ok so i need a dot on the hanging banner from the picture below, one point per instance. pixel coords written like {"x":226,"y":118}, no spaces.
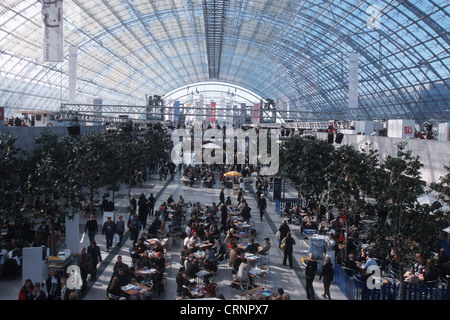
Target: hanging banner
{"x":176,"y":111}
{"x":52,"y":17}
{"x":353,"y":81}
{"x":256,"y":113}
{"x":213,"y":112}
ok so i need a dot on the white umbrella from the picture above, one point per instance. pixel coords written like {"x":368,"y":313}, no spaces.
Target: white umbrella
{"x":446,"y":230}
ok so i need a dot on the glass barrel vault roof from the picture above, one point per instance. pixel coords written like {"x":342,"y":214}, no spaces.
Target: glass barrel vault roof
{"x":293,"y":51}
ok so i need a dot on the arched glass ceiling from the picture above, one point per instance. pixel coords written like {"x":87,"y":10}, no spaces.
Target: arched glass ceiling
{"x":293,"y":51}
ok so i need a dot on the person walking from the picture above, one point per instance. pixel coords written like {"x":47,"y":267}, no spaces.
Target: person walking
{"x":327,"y":274}
{"x":94,"y":251}
{"x":108,"y":230}
{"x":143,"y":210}
{"x":283,"y":231}
{"x":120,"y":228}
{"x":91,"y":228}
{"x":262,"y":205}
{"x":135,"y":227}
{"x":288,"y":244}
{"x":84,"y":262}
{"x":221,"y":197}
{"x":310,"y":273}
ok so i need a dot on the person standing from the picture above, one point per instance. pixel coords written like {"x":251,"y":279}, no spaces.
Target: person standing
{"x":38,"y":293}
{"x":26,"y":292}
{"x":151,"y":204}
{"x":143,"y":210}
{"x":262,"y":205}
{"x":223,"y":217}
{"x":289,"y":243}
{"x":327,"y":274}
{"x":53,"y":284}
{"x":94,"y":251}
{"x":108,"y":230}
{"x":284,"y":229}
{"x":133,"y":205}
{"x":120,"y":228}
{"x":310,"y":273}
{"x":221,"y":197}
{"x":331,"y":247}
{"x":91,"y":228}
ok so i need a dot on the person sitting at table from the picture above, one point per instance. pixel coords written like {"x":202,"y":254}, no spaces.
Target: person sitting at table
{"x":137,"y":250}
{"x":412,"y":278}
{"x":219,"y":250}
{"x":242,"y":273}
{"x":157,"y":247}
{"x":153,"y":229}
{"x":167,"y":242}
{"x":114,"y":288}
{"x":210,"y":288}
{"x":157,"y":278}
{"x":246,"y":212}
{"x":350,"y":265}
{"x":233,"y":254}
{"x":159,"y":262}
{"x":209,"y":265}
{"x":180,"y":279}
{"x":184,"y":255}
{"x":144,"y":295}
{"x":431,"y":274}
{"x":209,"y":254}
{"x":170,"y":202}
{"x":192,"y":267}
{"x":122,"y":276}
{"x":144,"y":261}
{"x":252,"y":246}
{"x":231,"y":234}
{"x":281,"y":295}
{"x":362,"y":256}
{"x":264,"y":248}
{"x":212,"y":233}
{"x":237,"y":262}
{"x":192,"y":242}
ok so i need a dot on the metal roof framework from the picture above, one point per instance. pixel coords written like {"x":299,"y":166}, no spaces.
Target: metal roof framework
{"x":295,"y":52}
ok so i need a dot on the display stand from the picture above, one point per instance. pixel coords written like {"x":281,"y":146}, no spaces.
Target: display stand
{"x":73,"y":233}
{"x":34,"y":264}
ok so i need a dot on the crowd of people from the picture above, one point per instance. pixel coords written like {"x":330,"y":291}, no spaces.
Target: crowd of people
{"x":209,"y":236}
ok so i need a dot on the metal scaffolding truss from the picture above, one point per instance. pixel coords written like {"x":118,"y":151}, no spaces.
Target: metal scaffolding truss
{"x":293,"y":51}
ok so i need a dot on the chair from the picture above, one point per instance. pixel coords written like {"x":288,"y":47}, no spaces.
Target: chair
{"x":240,"y":285}
{"x":264,"y":258}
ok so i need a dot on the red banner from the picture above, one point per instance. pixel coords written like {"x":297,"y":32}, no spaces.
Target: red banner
{"x":256,"y":113}
{"x":213,"y":112}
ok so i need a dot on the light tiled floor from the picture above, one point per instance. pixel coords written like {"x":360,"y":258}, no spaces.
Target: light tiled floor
{"x":292,"y":280}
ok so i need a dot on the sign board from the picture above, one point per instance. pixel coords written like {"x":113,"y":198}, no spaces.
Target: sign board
{"x":107,"y":214}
